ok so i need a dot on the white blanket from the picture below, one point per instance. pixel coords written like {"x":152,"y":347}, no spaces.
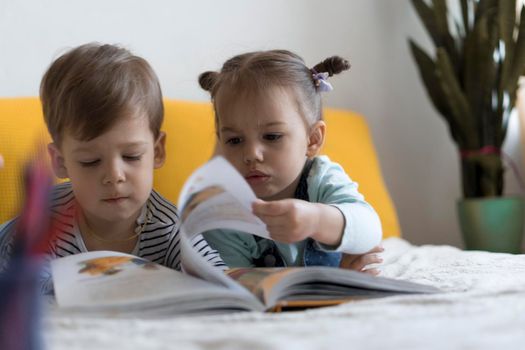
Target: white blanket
{"x":483,"y":308}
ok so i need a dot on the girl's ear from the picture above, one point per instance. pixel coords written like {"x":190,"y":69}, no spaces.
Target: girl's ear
{"x":160,"y":151}
{"x":316,"y":138}
{"x":57,"y":161}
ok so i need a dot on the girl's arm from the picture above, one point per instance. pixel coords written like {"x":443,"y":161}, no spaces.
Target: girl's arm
{"x":235,"y":248}
{"x":337,"y":216}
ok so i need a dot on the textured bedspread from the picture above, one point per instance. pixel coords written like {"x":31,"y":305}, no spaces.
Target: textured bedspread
{"x":483,"y":308}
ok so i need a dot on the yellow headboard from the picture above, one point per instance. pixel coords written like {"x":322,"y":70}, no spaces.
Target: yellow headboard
{"x":190,"y":140}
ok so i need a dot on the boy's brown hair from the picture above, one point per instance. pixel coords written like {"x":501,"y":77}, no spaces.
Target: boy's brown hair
{"x":88,"y":89}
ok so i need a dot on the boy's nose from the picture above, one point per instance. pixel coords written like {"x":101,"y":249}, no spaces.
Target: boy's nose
{"x":114,"y":174}
{"x":253,"y":153}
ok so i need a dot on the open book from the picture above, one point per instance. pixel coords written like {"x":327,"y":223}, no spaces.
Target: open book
{"x":215,"y":196}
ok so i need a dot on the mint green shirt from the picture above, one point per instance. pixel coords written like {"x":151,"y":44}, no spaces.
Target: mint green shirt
{"x":329,"y":184}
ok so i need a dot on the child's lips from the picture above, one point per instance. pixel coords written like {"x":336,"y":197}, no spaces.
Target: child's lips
{"x":115,"y":199}
{"x":256,"y":177}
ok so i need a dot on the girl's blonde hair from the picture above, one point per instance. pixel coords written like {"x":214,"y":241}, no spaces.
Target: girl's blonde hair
{"x":257,"y":71}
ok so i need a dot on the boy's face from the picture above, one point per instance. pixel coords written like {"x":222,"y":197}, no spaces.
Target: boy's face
{"x":111,"y":175}
{"x":267,"y":141}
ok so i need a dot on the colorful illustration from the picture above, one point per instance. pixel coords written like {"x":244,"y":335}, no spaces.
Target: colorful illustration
{"x":199,"y":197}
{"x":111,"y":265}
{"x":259,"y":281}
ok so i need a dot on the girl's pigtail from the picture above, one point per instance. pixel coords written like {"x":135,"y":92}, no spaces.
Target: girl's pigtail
{"x":331,"y":65}
{"x":207,"y":80}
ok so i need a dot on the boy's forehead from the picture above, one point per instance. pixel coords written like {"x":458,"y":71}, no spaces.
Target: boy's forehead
{"x":78,"y":146}
{"x":127,"y":132}
{"x":85,"y":129}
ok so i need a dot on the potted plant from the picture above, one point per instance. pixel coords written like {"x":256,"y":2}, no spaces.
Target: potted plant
{"x":472,"y":82}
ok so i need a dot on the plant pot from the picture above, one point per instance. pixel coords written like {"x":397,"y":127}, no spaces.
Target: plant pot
{"x":493,"y":224}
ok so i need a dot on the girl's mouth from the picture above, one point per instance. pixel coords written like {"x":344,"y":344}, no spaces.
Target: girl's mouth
{"x":256,"y":177}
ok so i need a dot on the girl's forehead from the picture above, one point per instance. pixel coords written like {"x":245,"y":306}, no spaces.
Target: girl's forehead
{"x":271,"y":103}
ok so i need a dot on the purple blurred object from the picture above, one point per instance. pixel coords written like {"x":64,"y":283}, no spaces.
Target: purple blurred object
{"x":20,"y":313}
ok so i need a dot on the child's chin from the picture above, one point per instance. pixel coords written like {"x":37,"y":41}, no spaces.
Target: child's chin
{"x":268,"y":195}
{"x":117,"y":214}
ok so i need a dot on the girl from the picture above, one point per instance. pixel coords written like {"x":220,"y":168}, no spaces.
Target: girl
{"x":269,"y":125}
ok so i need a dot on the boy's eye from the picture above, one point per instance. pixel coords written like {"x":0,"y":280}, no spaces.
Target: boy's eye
{"x":90,"y":163}
{"x":132,"y":158}
{"x":233,"y":140}
{"x":272,"y":137}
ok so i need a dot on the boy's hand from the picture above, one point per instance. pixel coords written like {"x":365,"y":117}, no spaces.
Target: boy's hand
{"x":360,"y":262}
{"x":288,"y":220}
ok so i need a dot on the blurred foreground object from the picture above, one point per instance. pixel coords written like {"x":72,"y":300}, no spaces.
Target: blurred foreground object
{"x":19,"y":283}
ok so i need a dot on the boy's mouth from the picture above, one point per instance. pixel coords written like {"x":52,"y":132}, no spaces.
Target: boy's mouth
{"x":115,"y":200}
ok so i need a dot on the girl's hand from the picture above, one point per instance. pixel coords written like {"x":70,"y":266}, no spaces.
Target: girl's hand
{"x":360,"y":262}
{"x":1,"y":162}
{"x":288,"y":220}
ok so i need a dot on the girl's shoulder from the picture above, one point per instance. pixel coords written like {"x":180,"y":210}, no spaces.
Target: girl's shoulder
{"x":323,"y":167}
{"x":328,"y":179}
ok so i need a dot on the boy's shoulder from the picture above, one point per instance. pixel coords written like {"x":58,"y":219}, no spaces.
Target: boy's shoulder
{"x":163,"y":208}
{"x":62,"y":194}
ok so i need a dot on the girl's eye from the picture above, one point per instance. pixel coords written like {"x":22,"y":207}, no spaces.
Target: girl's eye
{"x":233,"y":140}
{"x":272,"y":137}
{"x":132,"y":158}
{"x":89,"y":163}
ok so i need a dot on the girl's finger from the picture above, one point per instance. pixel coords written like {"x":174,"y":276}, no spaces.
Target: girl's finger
{"x":373,"y":272}
{"x":274,"y":221}
{"x":368,"y":259}
{"x":273,"y":208}
{"x":376,"y":249}
{"x":347,"y":260}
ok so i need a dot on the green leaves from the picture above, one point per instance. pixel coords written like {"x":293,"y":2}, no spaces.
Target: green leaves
{"x":457,"y":101}
{"x":467,"y":14}
{"x":436,"y":22}
{"x":518,"y":61}
{"x":429,"y":74}
{"x":473,"y":79}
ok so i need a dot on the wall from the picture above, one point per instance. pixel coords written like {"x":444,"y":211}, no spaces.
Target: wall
{"x":184,"y":38}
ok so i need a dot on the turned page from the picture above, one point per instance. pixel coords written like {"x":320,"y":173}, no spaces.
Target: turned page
{"x":217,"y":196}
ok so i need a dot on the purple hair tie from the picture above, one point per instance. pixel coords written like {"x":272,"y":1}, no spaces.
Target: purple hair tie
{"x":320,"y":80}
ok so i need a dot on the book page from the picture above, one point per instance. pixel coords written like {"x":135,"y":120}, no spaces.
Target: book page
{"x":319,"y":285}
{"x":194,"y":264}
{"x":104,"y":278}
{"x":216,"y":196}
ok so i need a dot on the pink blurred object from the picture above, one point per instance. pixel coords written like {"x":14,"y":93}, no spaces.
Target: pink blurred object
{"x":19,"y":284}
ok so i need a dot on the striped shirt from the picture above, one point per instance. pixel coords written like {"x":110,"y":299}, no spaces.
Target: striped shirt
{"x":159,"y":240}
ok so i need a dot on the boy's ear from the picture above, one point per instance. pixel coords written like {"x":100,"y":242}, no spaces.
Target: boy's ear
{"x":160,"y":151}
{"x":57,"y":161}
{"x":316,"y":139}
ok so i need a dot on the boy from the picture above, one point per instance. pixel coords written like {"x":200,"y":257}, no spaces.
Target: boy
{"x":103,"y":108}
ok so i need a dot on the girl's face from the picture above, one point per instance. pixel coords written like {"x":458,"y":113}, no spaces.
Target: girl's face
{"x":266,"y":139}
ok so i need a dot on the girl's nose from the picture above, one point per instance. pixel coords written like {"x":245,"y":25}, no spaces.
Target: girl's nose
{"x":114,"y":173}
{"x":253,"y":152}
